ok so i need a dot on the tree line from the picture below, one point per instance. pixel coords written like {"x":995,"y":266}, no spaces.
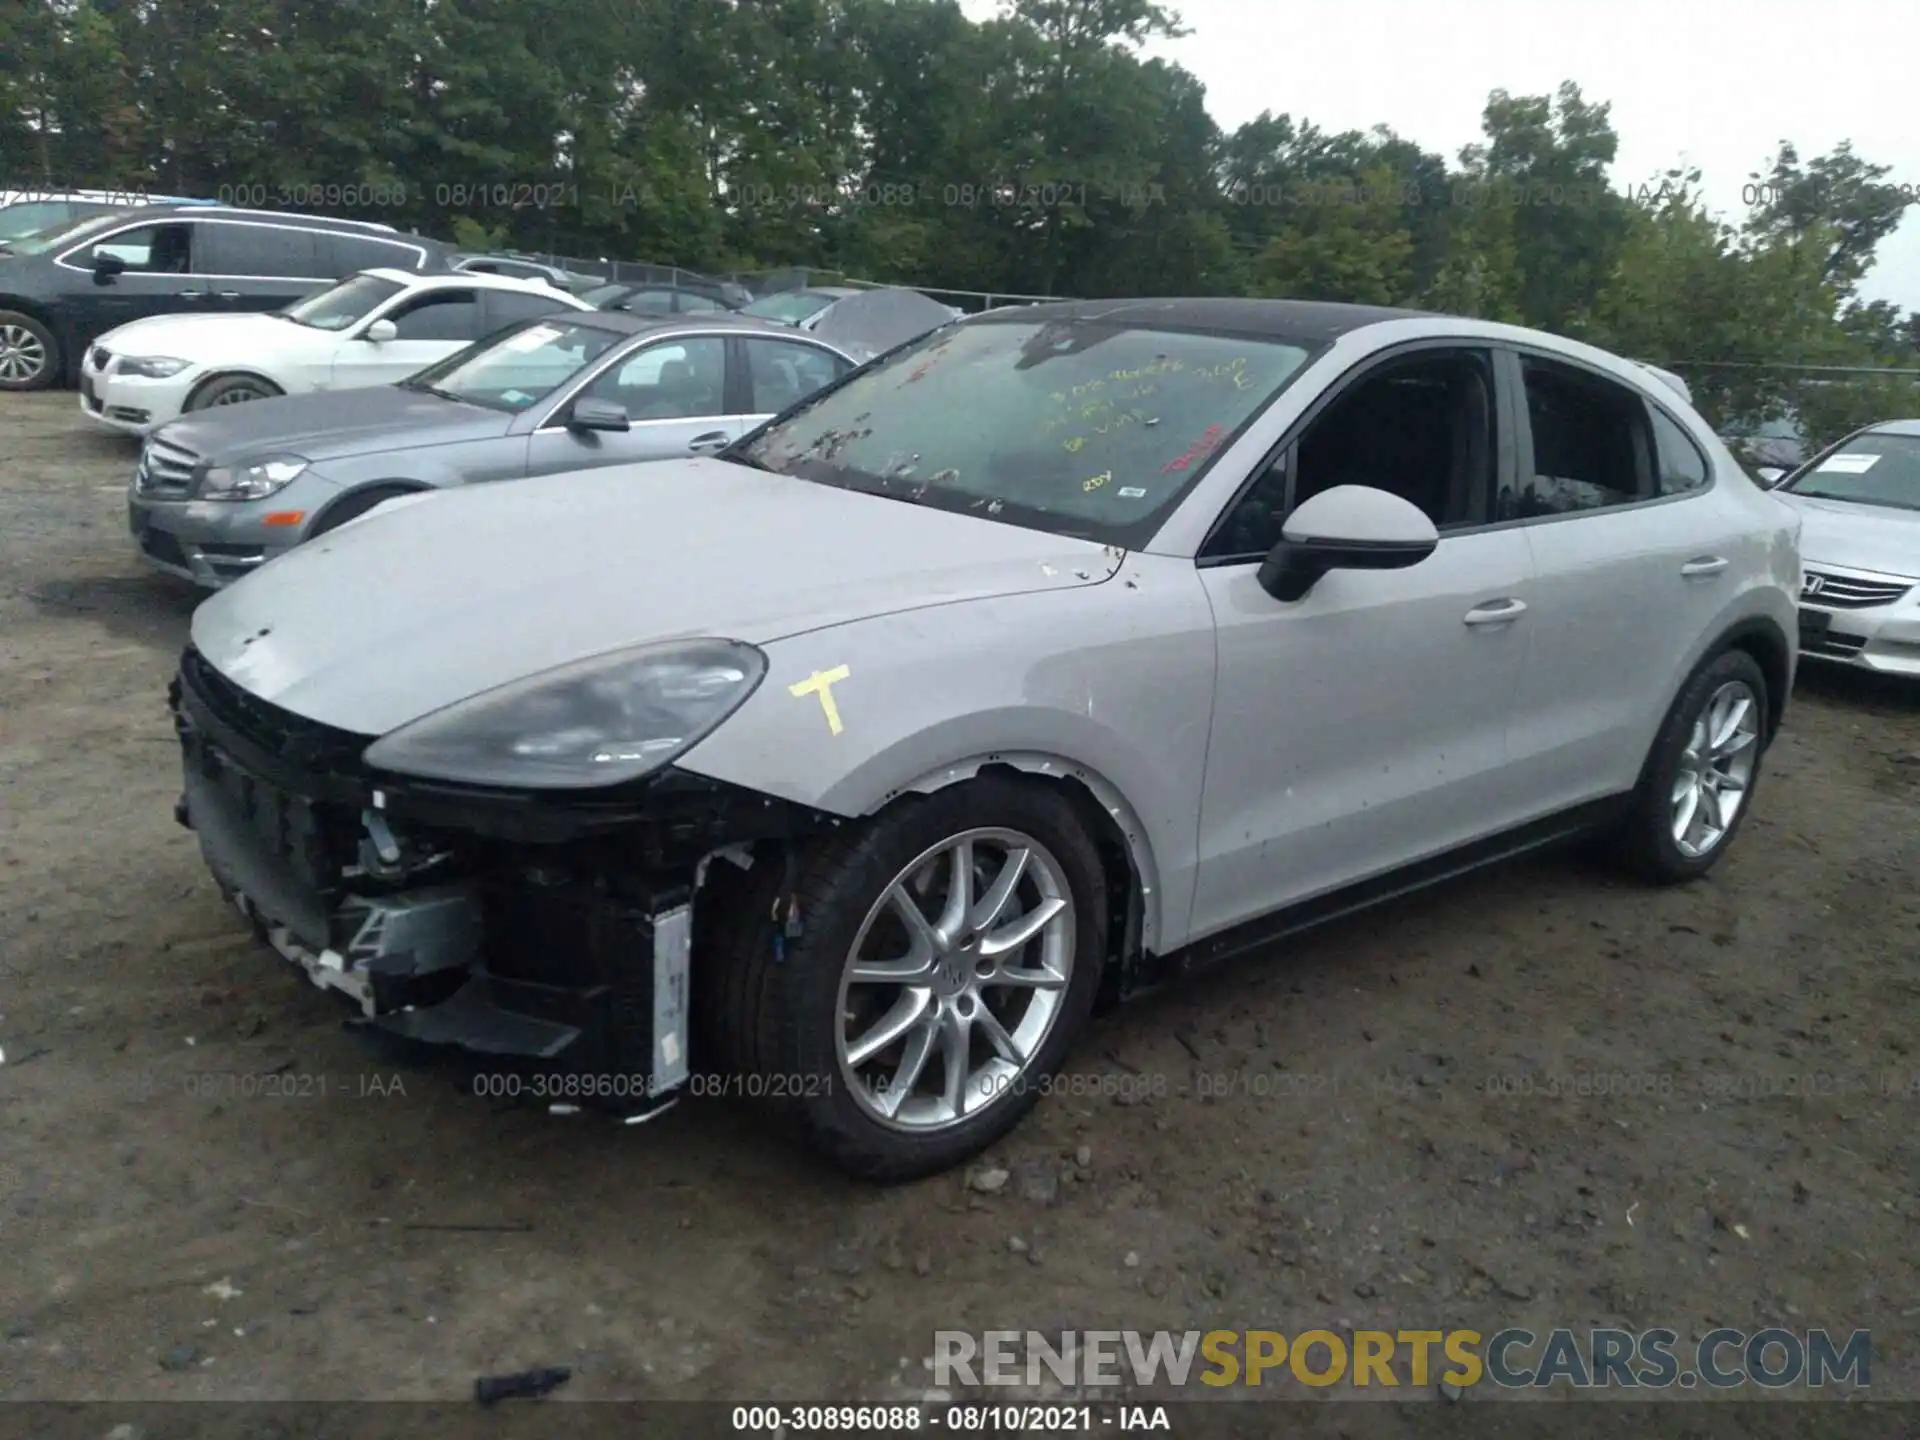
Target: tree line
{"x":1040,"y":152}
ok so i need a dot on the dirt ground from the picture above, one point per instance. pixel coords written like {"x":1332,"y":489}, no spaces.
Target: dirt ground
{"x":1400,"y":1145}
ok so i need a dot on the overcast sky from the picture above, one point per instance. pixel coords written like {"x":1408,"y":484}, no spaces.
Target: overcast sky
{"x":1710,"y":83}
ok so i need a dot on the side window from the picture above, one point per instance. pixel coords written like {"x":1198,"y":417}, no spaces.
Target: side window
{"x":151,"y":249}
{"x":257,"y":251}
{"x":439,"y":315}
{"x":783,"y":373}
{"x":508,"y":307}
{"x":648,"y":302}
{"x":1421,"y":428}
{"x":1682,"y":467}
{"x":1592,"y":444}
{"x":672,"y":380}
{"x":349,"y":253}
{"x":693,"y":300}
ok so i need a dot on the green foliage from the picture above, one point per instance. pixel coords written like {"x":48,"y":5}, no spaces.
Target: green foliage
{"x":1036,"y":152}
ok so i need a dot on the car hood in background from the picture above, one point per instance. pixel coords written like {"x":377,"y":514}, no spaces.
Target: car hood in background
{"x":874,"y":321}
{"x":1859,"y":537}
{"x":330,"y":424}
{"x":213,"y":337}
{"x":446,"y":596}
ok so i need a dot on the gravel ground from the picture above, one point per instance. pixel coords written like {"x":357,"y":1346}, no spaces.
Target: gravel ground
{"x":1394,"y":1135}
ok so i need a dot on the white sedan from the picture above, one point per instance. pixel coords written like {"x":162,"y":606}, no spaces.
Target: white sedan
{"x":372,"y":328}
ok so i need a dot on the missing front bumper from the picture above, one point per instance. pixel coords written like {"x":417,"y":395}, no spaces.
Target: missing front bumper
{"x":514,"y":968}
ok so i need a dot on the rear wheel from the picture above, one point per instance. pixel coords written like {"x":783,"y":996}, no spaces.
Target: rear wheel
{"x":29,"y":355}
{"x":946,"y":957}
{"x":232,"y":390}
{"x":1700,"y":776}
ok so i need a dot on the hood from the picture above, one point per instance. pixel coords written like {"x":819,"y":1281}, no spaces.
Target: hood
{"x":872,"y":321}
{"x":457,"y":592}
{"x":204,"y":337}
{"x":331,"y":424}
{"x":1859,"y":537}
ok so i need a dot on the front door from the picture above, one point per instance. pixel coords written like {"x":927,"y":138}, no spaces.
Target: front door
{"x":159,"y":278}
{"x":674,"y":392}
{"x":431,"y":327}
{"x":1363,"y":727}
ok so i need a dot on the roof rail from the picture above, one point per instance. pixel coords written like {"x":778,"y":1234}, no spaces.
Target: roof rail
{"x":296,"y":215}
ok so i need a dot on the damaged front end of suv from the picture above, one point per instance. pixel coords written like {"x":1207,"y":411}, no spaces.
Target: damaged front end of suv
{"x":537,"y":925}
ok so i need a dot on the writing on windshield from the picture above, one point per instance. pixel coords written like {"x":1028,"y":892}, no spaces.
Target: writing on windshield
{"x":1077,"y":426}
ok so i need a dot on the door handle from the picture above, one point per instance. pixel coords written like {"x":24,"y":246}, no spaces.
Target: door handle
{"x":1496,"y":612}
{"x":1704,"y":565}
{"x":190,"y":294}
{"x":710,"y":442}
{"x":226,"y":294}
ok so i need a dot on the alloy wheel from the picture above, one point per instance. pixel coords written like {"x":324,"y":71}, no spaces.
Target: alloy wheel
{"x":238,"y":395}
{"x":22,"y":353}
{"x":955,"y":979}
{"x":1716,"y":769}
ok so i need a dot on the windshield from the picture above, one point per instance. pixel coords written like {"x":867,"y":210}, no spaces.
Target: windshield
{"x":1079,"y":427}
{"x":516,"y":369}
{"x":792,"y":307}
{"x":42,"y":241}
{"x":344,"y":305}
{"x":1874,"y":469}
{"x":32,"y":217}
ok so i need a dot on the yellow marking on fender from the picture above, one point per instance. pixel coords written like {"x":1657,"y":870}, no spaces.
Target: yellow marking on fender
{"x":821,"y":683}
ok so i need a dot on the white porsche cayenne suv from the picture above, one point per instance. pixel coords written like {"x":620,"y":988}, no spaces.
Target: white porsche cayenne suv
{"x":376,"y":327}
{"x":1034,"y":663}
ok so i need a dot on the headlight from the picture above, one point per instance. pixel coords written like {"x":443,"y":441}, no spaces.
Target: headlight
{"x":255,"y":481}
{"x":595,"y":722}
{"x":151,"y":367}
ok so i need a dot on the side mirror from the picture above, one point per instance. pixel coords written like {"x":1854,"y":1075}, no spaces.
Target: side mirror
{"x":381,"y":331}
{"x":598,"y":415}
{"x":1770,"y":475}
{"x":106,"y":265}
{"x":1350,"y":527}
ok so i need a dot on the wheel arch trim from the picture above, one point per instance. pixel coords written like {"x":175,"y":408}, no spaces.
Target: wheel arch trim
{"x":1118,"y":811}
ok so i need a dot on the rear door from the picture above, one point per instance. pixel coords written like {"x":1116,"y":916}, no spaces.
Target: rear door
{"x":258,"y":264}
{"x":432,"y":325}
{"x":782,"y":373}
{"x":1635,"y":560}
{"x":675,"y":394}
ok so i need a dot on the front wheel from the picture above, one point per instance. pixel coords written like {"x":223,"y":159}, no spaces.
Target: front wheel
{"x":29,"y":355}
{"x":913,"y":993}
{"x":1700,"y":776}
{"x":232,"y":390}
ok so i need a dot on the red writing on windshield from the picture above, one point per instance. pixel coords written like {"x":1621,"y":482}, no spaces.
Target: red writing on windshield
{"x":1208,"y":442}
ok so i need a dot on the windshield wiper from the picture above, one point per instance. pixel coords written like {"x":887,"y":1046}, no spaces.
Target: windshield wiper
{"x":422,"y":388}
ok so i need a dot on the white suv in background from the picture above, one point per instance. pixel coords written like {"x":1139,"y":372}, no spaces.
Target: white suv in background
{"x":372,"y":328}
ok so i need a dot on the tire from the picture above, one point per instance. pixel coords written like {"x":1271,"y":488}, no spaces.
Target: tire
{"x":231,"y":390}
{"x":29,"y":355}
{"x":782,"y":1020}
{"x":1647,"y":842}
{"x":353,"y":507}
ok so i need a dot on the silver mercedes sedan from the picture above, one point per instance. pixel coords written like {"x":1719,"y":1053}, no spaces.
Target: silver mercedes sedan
{"x":1859,"y":502}
{"x":219,"y":492}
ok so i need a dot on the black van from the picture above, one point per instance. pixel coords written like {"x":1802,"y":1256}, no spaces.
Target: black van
{"x":59,"y":290}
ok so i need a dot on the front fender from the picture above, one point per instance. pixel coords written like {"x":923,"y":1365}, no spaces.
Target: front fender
{"x":1110,"y":684}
